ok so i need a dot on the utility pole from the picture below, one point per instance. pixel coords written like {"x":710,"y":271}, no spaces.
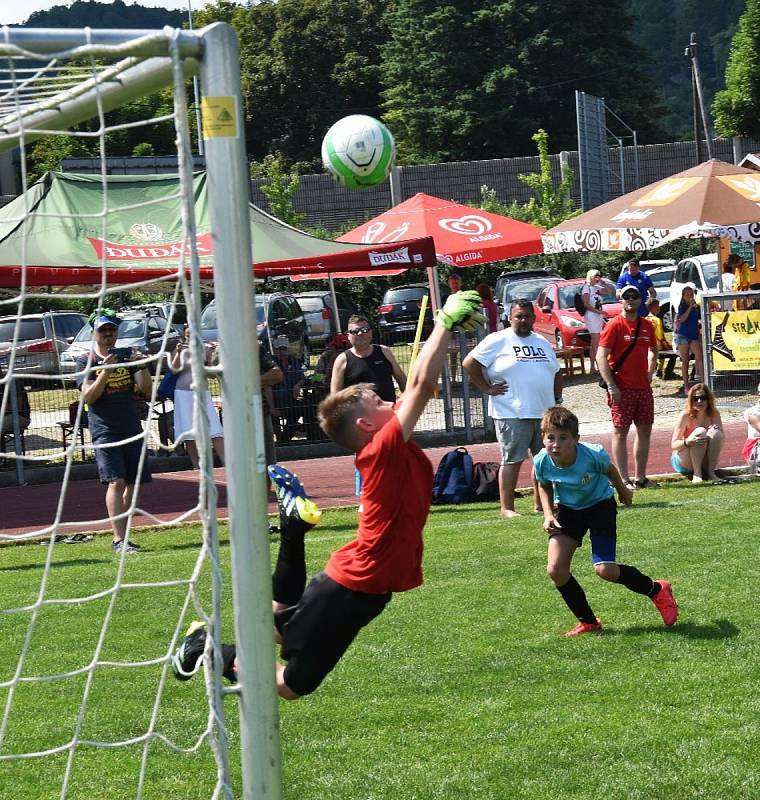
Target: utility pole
{"x":698,"y":100}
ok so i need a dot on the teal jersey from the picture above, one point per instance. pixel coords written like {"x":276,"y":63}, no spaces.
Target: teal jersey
{"x":584,"y":483}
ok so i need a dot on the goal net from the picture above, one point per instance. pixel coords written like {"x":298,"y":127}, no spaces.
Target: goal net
{"x":88,"y":704}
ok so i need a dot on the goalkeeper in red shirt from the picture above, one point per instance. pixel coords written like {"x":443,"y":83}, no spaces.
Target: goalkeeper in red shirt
{"x":315,"y":625}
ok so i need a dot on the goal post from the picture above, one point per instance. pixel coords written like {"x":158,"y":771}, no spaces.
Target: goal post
{"x":148,"y":61}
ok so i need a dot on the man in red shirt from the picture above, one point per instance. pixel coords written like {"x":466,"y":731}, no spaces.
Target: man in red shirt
{"x":316,"y":625}
{"x":627,"y":359}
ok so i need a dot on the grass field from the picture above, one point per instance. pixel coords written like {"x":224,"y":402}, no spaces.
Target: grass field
{"x":464,"y":688}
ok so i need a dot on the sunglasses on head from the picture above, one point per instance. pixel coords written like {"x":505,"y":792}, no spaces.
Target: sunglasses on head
{"x":357,"y":331}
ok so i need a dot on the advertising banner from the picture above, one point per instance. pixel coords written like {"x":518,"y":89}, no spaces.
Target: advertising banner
{"x":735,"y":341}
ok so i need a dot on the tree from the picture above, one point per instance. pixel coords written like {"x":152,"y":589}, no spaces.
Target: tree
{"x":737,"y":107}
{"x":279,"y":187}
{"x":470,"y":81}
{"x":549,"y":205}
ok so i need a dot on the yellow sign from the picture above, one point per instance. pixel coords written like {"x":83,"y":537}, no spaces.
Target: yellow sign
{"x":667,"y":191}
{"x":735,"y":340}
{"x":219,"y":117}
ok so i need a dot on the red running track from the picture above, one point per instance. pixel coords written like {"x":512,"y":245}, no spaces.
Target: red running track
{"x":29,"y":509}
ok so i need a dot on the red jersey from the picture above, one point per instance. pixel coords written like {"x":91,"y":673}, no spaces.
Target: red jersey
{"x":616,"y":337}
{"x":397,"y":487}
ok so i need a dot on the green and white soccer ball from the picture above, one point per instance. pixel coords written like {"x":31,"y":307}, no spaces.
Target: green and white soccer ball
{"x":358,"y":151}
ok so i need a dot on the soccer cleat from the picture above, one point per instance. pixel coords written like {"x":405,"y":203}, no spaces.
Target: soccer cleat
{"x":188,"y":657}
{"x":585,"y":627}
{"x":291,"y":496}
{"x":666,"y":603}
{"x":128,"y":547}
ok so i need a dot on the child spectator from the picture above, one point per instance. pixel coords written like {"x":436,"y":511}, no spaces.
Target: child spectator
{"x":575,"y":483}
{"x":697,"y":436}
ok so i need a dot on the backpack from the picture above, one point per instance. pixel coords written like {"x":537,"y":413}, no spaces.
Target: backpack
{"x":486,"y":480}
{"x":580,"y":306}
{"x":452,"y":482}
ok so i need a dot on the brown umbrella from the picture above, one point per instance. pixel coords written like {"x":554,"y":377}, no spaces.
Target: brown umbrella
{"x":711,"y":199}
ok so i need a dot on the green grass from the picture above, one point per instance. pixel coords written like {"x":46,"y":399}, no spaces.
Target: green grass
{"x":463,"y":688}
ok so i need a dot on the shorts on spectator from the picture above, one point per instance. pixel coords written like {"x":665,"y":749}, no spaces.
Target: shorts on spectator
{"x":601,"y":520}
{"x":120,"y":462}
{"x":326,"y":620}
{"x":635,"y":406}
{"x":678,"y":467}
{"x":516,"y":437}
{"x":594,"y":322}
{"x":682,"y":341}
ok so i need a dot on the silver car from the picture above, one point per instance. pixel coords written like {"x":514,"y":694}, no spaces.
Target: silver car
{"x":42,"y":338}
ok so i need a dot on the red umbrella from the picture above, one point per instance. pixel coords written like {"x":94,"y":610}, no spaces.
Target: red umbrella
{"x":463,"y":236}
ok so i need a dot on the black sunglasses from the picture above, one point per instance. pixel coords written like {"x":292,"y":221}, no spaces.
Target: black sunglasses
{"x":700,"y":398}
{"x":357,"y":331}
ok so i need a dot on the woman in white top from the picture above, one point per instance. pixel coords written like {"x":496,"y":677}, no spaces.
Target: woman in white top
{"x":179,"y":364}
{"x":591,"y":293}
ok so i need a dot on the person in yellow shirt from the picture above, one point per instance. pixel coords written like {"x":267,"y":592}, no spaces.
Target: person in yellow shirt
{"x":653,"y":311}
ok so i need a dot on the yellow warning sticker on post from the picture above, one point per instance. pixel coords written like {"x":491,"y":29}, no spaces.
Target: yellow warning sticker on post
{"x":219,"y":117}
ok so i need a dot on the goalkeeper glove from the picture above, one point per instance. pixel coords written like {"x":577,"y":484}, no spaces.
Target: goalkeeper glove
{"x":462,"y":310}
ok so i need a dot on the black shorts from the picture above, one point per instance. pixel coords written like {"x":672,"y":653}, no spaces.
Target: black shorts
{"x":600,"y":520}
{"x":121,"y":462}
{"x":324,"y":623}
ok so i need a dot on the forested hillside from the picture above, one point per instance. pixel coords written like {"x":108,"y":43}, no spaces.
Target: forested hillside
{"x":663,"y":27}
{"x":456,"y":80}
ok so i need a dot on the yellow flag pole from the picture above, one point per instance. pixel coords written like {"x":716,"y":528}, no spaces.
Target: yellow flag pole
{"x":418,"y":335}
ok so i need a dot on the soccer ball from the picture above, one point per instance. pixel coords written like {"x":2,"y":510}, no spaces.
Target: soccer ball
{"x":358,"y":151}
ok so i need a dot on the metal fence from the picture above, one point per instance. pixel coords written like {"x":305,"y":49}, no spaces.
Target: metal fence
{"x":731,"y":342}
{"x":40,"y":421}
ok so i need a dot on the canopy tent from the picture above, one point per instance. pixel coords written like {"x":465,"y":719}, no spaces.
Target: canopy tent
{"x":712,"y":199}
{"x":69,"y":228}
{"x":464,"y":236}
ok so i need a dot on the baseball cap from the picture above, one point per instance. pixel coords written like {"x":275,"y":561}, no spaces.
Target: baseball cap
{"x":102,"y":320}
{"x":628,"y":290}
{"x":280,"y":341}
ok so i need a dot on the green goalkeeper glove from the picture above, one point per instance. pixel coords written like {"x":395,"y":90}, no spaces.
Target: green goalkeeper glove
{"x":462,"y":310}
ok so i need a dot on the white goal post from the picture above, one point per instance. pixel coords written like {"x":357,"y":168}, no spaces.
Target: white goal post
{"x":148,"y":61}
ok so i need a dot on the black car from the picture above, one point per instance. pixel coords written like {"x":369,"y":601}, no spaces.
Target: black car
{"x":518,"y":275}
{"x":400,"y":309}
{"x":277,"y":314}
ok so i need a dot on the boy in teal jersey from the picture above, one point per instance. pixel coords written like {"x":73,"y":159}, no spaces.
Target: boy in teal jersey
{"x":575,"y":485}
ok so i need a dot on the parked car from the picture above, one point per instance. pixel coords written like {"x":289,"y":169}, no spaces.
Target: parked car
{"x":42,"y":338}
{"x":661,"y":272}
{"x":702,"y":271}
{"x":142,"y":330}
{"x":557,"y":319}
{"x":178,"y":314}
{"x":399,"y":311}
{"x":520,"y":290}
{"x":318,"y":312}
{"x":518,"y":275}
{"x":277,"y":314}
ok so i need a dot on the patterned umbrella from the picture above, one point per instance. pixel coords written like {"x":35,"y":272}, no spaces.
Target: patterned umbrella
{"x":709,"y":200}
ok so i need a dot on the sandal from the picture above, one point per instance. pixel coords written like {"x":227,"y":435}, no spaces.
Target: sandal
{"x":645,"y":483}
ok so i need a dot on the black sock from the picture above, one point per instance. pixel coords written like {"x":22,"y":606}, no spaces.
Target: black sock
{"x":575,"y":597}
{"x":636,"y":581}
{"x":228,"y":660}
{"x":289,"y":579}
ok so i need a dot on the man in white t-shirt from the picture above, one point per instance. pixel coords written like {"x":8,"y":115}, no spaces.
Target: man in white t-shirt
{"x":518,"y":370}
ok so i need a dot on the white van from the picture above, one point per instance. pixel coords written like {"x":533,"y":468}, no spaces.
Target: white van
{"x":702,"y":271}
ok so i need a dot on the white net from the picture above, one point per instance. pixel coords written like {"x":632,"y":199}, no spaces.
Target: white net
{"x":89,"y":704}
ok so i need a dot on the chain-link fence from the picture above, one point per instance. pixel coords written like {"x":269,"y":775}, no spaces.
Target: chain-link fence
{"x":40,"y":417}
{"x":731,"y":340}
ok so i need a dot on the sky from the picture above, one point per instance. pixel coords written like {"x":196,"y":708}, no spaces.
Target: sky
{"x":15,"y":11}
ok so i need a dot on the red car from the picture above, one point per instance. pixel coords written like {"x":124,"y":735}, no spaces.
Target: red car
{"x":557,"y":319}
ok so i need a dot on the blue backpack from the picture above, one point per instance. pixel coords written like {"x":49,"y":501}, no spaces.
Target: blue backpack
{"x":453,"y":480}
